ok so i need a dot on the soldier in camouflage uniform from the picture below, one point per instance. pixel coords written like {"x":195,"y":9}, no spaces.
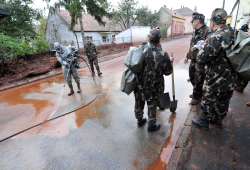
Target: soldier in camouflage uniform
{"x":197,"y":72}
{"x":220,"y":79}
{"x":91,"y":52}
{"x":65,"y":56}
{"x":150,"y":81}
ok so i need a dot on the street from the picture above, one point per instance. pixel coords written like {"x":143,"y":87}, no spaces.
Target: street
{"x":102,"y":135}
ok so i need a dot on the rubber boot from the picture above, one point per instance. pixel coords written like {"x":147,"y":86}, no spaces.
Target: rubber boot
{"x":154,"y":127}
{"x":160,"y":107}
{"x":203,"y":124}
{"x":71,"y":90}
{"x":79,"y":88}
{"x":216,"y":121}
{"x":141,"y":122}
{"x":195,"y":99}
{"x":99,"y":72}
{"x":93,"y":73}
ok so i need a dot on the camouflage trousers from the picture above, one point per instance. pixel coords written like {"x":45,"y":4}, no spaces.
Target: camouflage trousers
{"x":215,"y":104}
{"x":92,"y":63}
{"x":139,"y":107}
{"x":67,"y":75}
{"x":197,"y":76}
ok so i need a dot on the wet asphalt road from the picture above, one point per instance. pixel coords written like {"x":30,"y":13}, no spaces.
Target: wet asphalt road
{"x":103,"y":135}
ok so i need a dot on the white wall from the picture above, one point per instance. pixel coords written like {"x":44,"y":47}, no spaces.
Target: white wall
{"x":140,"y":33}
{"x":123,"y":36}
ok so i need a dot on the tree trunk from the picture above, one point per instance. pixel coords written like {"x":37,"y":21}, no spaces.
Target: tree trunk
{"x":82,"y":30}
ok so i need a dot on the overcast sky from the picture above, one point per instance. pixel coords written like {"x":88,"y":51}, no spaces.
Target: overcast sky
{"x":203,"y":6}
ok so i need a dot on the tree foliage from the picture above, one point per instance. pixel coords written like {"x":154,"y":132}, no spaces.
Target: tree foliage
{"x":96,"y":8}
{"x":20,"y":24}
{"x":129,"y":12}
{"x":149,"y":18}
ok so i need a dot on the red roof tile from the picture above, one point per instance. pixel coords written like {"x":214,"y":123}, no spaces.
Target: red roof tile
{"x":89,"y":23}
{"x":173,"y":13}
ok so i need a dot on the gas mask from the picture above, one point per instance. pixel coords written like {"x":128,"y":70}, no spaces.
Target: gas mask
{"x":58,"y":47}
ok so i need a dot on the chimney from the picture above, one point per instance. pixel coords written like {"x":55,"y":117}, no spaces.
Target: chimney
{"x":181,"y":7}
{"x":165,"y":6}
{"x":171,"y":8}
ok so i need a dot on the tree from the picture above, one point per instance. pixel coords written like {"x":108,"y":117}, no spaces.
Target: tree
{"x":77,"y":7}
{"x":128,"y":13}
{"x":20,"y":24}
{"x":149,"y":18}
{"x":42,"y":26}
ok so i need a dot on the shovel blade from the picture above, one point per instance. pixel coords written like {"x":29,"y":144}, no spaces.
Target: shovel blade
{"x":165,"y":100}
{"x":173,"y":105}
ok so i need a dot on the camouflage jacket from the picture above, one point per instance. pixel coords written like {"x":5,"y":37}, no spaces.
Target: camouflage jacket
{"x":220,"y":76}
{"x":150,"y":79}
{"x":199,"y":34}
{"x":90,"y":51}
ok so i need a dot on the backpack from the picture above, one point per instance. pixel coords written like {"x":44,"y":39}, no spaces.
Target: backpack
{"x":239,"y":54}
{"x":134,"y":63}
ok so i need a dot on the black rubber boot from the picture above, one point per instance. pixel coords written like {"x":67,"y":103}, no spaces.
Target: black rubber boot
{"x":93,"y":73}
{"x":99,"y":73}
{"x":71,"y":90}
{"x":141,"y":122}
{"x":154,"y":127}
{"x":160,"y":107}
{"x":79,"y":88}
{"x":201,"y":124}
{"x":216,"y":121}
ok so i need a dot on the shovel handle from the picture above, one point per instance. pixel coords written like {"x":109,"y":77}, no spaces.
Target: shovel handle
{"x":173,"y":89}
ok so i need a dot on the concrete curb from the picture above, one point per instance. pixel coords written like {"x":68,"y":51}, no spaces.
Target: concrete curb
{"x":183,"y":141}
{"x":50,"y":74}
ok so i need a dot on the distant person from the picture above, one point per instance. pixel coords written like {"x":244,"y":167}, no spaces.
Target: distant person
{"x":150,"y":81}
{"x":65,"y":56}
{"x":221,"y":79}
{"x":91,"y":52}
{"x":197,"y":71}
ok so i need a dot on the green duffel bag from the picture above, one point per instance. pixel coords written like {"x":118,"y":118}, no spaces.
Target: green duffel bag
{"x":128,"y":82}
{"x":239,"y":54}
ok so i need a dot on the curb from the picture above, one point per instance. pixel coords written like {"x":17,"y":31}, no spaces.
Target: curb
{"x":44,"y":76}
{"x":183,"y":141}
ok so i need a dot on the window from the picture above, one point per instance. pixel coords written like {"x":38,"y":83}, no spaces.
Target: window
{"x":104,"y":38}
{"x":175,"y":28}
{"x":113,"y":37}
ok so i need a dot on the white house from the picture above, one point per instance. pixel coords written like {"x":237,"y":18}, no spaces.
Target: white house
{"x":58,"y":24}
{"x":134,"y":34}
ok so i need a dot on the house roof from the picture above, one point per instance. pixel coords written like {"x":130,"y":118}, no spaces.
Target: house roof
{"x":184,"y":11}
{"x":89,"y":23}
{"x":4,"y":14}
{"x":173,"y":13}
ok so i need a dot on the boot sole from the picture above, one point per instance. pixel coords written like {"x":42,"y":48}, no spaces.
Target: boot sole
{"x":203,"y":128}
{"x":152,"y":130}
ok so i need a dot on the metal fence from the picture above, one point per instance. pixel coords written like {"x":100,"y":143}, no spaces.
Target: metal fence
{"x":116,"y":43}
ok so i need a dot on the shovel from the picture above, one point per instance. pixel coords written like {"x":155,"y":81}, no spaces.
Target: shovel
{"x":165,"y":100}
{"x":173,"y":104}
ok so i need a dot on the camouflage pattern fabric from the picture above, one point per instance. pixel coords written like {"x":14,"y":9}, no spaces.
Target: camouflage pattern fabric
{"x":215,"y":104}
{"x":95,"y":62}
{"x":90,"y":51}
{"x":199,"y":34}
{"x":196,"y":15}
{"x":197,"y":73}
{"x":64,"y":56}
{"x":139,"y":107}
{"x":155,"y":34}
{"x":72,"y":72}
{"x":150,"y":79}
{"x":220,"y":76}
{"x":219,"y":16}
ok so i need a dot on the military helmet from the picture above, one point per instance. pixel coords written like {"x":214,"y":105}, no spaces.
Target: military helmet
{"x":57,"y":45}
{"x":154,"y":34}
{"x":219,"y":16}
{"x":197,"y":15}
{"x":87,"y":37}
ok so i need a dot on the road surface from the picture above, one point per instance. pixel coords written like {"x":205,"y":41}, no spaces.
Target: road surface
{"x":103,"y":135}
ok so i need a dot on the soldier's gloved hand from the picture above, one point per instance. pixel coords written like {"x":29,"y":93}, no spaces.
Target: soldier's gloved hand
{"x":186,"y":60}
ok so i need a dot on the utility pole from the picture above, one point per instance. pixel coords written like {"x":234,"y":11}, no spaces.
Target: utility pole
{"x":223,"y":4}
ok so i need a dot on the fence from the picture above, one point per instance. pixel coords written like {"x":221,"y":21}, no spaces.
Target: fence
{"x":116,"y":43}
